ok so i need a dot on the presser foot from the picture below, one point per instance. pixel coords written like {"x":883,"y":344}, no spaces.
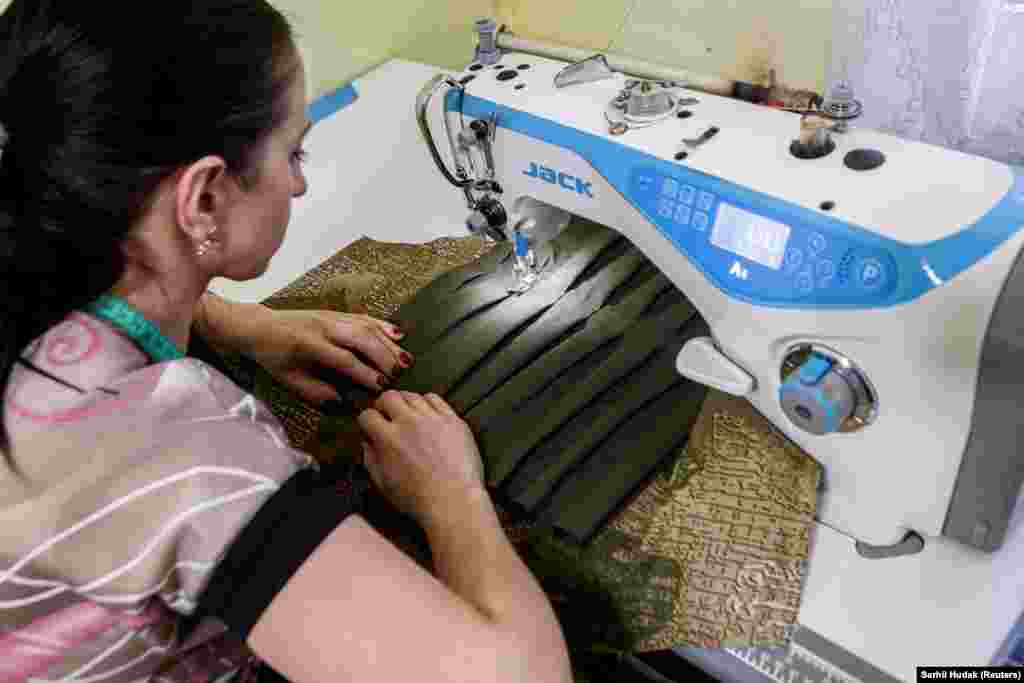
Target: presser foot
{"x":527,"y":269}
{"x":524,"y":283}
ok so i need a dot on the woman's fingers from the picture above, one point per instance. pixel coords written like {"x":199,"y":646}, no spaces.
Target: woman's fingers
{"x":349,"y":364}
{"x":314,"y":390}
{"x":377,"y":429}
{"x":369,"y":457}
{"x":361,"y":337}
{"x":393,"y":331}
{"x":392,"y":404}
{"x":417,"y":402}
{"x":440,"y":405}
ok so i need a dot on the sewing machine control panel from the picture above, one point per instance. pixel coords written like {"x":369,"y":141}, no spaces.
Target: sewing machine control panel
{"x":761,"y":257}
{"x":762,"y":223}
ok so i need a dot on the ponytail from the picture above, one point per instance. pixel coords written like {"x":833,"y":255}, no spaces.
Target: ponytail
{"x":96,"y":116}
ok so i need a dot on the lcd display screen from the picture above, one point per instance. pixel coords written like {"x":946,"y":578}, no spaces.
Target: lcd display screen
{"x":746,"y":234}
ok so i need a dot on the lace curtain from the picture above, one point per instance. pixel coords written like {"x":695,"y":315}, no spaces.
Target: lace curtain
{"x":947,"y":72}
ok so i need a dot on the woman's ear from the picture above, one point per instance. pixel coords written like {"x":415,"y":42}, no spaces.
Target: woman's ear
{"x":201,"y":196}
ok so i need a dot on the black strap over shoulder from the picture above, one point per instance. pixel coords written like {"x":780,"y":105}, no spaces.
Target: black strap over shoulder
{"x":277,"y":541}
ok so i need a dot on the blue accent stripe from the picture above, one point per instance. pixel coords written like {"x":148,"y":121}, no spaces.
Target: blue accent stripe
{"x":332,"y":102}
{"x":908,"y":271}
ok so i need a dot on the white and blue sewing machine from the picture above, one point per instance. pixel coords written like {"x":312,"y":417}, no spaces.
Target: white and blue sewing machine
{"x":863,"y":291}
{"x":886,"y":270}
{"x":904,"y":289}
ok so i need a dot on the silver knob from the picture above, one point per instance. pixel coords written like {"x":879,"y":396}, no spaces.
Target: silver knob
{"x":840,"y":104}
{"x":477,"y":223}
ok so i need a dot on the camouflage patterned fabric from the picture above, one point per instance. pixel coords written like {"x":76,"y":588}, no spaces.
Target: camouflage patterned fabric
{"x":711,"y":553}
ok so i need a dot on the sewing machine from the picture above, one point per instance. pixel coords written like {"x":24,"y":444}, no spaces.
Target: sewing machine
{"x":861,"y":310}
{"x":860,"y":618}
{"x":861,"y":289}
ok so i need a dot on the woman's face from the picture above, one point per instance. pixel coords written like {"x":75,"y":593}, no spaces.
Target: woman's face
{"x":257,"y":225}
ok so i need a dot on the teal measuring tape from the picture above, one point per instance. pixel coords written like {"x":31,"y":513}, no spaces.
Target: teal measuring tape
{"x":129,"y":320}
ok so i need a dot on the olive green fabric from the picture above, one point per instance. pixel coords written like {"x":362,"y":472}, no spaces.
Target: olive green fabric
{"x":697,"y":554}
{"x":485,"y":289}
{"x":602,"y":328}
{"x":577,"y":305}
{"x":625,"y":460}
{"x":470,"y":338}
{"x":495,"y":339}
{"x":629,"y":400}
{"x":504,"y":447}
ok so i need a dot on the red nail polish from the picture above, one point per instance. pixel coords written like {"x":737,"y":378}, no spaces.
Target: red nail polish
{"x":397,"y":331}
{"x":406,"y":359}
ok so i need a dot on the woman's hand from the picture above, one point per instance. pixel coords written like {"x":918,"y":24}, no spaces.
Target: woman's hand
{"x":293,"y":345}
{"x":419,"y":452}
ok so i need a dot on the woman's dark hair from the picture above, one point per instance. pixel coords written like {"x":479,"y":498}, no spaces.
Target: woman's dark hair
{"x":98,"y":108}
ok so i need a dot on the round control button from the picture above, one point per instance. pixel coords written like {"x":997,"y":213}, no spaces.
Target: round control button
{"x":817,"y":243}
{"x":804,"y":283}
{"x":476,"y":67}
{"x":870,"y":274}
{"x":524,"y":67}
{"x":825,"y":269}
{"x":508,"y":74}
{"x":794,"y":259}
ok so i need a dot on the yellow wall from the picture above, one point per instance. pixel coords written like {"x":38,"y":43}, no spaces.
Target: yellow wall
{"x":732,"y":38}
{"x":741,"y":39}
{"x":342,"y":40}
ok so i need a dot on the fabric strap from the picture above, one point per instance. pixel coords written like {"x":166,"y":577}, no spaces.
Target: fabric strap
{"x":136,"y":326}
{"x":504,"y":448}
{"x":601,"y":328}
{"x":575,"y":306}
{"x":622,"y":403}
{"x":453,"y":356}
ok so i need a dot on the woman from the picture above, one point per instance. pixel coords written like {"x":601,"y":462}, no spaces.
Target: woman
{"x":143,"y":157}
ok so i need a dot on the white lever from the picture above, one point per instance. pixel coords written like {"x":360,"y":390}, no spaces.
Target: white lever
{"x":700,"y":361}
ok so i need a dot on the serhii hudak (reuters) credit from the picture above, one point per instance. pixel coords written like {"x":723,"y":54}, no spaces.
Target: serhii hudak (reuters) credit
{"x":969,"y":673}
